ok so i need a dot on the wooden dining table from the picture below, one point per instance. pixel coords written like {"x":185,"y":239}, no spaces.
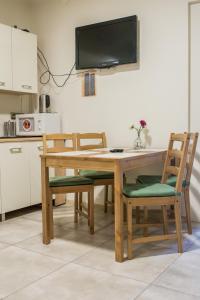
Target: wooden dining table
{"x":98,"y":159}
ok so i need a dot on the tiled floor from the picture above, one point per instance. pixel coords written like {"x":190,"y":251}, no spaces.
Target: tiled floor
{"x":77,"y":265}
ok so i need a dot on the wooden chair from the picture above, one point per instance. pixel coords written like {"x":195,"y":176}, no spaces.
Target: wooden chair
{"x":86,"y":141}
{"x":69,"y":184}
{"x":160,"y":194}
{"x":150,"y":179}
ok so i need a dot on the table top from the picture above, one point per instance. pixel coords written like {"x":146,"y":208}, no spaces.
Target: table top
{"x":105,"y":154}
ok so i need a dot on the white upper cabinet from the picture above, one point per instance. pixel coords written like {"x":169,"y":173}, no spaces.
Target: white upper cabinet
{"x":5,"y":58}
{"x":24,"y":60}
{"x":18,"y":60}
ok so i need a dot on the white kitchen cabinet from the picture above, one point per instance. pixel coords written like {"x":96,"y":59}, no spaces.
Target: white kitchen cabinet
{"x":15,"y":176}
{"x":20,"y":175}
{"x":18,"y":60}
{"x":5,"y":58}
{"x":24,"y":61}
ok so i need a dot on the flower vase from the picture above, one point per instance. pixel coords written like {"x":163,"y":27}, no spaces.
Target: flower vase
{"x":138,"y":143}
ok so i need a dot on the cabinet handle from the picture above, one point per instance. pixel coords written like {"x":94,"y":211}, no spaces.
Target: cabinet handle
{"x":27,"y":87}
{"x":16,"y":150}
{"x":40,"y":148}
{"x":2,"y":83}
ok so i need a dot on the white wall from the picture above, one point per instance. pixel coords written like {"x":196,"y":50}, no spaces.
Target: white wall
{"x":157,"y":91}
{"x":14,"y":12}
{"x":194,"y":100}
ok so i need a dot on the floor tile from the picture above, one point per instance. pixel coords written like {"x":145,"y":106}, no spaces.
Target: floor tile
{"x":79,"y":236}
{"x":172,"y":244}
{"x":66,"y":247}
{"x":80,"y":283}
{"x":107,"y":230}
{"x":64,"y":216}
{"x":147,"y":265}
{"x":34,"y":216}
{"x":189,"y":240}
{"x":195,"y":248}
{"x":196,"y":225}
{"x":183,"y":275}
{"x":159,"y":293}
{"x":19,"y":268}
{"x":194,"y":242}
{"x":18,"y":229}
{"x":3,"y":245}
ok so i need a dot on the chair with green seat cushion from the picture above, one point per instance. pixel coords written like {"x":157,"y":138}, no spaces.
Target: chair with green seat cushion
{"x":147,"y":191}
{"x":68,"y":184}
{"x":96,"y":174}
{"x":151,"y":179}
{"x":69,"y":181}
{"x":159,"y":194}
{"x":92,"y":141}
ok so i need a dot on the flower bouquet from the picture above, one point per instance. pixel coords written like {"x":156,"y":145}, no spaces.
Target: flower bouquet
{"x":138,"y":144}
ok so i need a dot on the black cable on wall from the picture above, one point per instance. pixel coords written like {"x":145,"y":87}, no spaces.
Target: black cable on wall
{"x":52,"y":76}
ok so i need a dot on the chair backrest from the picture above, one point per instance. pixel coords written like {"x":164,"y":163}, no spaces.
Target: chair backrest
{"x":180,"y":155}
{"x":191,"y":155}
{"x":86,"y":141}
{"x":60,"y":141}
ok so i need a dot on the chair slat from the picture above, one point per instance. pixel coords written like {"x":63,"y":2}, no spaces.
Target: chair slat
{"x":172,"y":170}
{"x":100,"y":137}
{"x":59,"y":136}
{"x":154,"y":238}
{"x":177,"y":137}
{"x":175,"y":153}
{"x":92,"y":135}
{"x":59,"y":141}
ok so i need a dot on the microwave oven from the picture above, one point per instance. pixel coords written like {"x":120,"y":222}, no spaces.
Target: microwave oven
{"x":37,"y":124}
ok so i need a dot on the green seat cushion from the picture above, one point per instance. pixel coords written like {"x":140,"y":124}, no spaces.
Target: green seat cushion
{"x":97,"y":174}
{"x":151,"y":179}
{"x":145,"y":190}
{"x":69,"y":181}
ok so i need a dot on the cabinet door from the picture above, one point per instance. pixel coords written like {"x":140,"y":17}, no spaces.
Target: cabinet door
{"x":15,"y":176}
{"x":35,"y":150}
{"x":24,"y":55}
{"x":5,"y":58}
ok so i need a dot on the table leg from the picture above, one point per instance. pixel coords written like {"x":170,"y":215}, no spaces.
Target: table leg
{"x":45,"y":202}
{"x":118,"y":185}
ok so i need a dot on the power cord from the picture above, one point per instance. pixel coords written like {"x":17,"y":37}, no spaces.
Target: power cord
{"x":50,"y":75}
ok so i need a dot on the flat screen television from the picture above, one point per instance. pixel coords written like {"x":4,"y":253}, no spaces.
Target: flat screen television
{"x":107,"y":44}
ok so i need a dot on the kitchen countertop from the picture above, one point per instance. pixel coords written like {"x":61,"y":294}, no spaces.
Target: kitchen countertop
{"x":20,"y":139}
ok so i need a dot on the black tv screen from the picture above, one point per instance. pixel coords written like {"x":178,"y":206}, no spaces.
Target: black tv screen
{"x":107,"y":44}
